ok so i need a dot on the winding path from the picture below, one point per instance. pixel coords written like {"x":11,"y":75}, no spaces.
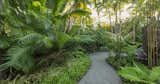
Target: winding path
{"x":100,"y":72}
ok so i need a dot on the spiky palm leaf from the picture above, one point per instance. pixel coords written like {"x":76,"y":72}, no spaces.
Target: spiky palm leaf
{"x":61,"y":39}
{"x":29,"y":39}
{"x":19,"y":58}
{"x":35,"y":39}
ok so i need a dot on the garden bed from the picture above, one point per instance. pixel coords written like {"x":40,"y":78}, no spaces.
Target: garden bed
{"x":68,"y":73}
{"x":118,"y":63}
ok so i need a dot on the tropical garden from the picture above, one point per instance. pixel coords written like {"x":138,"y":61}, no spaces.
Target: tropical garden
{"x":50,"y":41}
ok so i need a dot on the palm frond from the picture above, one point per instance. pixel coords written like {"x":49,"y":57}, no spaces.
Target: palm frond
{"x":35,"y":39}
{"x":61,"y":39}
{"x":19,"y":58}
{"x":29,"y":39}
{"x":80,"y":12}
{"x":4,"y":43}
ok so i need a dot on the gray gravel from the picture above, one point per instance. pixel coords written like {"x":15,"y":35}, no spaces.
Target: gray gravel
{"x":100,"y":72}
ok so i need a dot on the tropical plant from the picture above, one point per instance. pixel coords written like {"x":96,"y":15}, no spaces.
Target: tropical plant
{"x":33,"y":27}
{"x":140,"y":73}
{"x":31,"y":32}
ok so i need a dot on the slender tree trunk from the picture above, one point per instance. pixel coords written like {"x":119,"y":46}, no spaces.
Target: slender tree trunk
{"x":70,"y":23}
{"x":116,"y":22}
{"x":110,"y":21}
{"x":119,"y":29}
{"x":134,"y":31}
{"x":81,"y":21}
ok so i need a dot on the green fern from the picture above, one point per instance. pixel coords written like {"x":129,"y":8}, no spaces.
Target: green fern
{"x":155,"y":74}
{"x":141,"y":73}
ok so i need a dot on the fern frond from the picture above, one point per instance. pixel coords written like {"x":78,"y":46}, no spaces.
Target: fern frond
{"x":19,"y":58}
{"x":155,"y":74}
{"x":129,"y":73}
{"x":141,"y":73}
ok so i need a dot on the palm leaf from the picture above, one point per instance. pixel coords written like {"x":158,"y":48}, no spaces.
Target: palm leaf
{"x":30,"y":38}
{"x":80,"y":12}
{"x":61,"y":39}
{"x":19,"y":58}
{"x":4,"y":44}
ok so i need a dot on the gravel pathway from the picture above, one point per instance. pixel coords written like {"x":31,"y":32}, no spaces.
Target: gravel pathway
{"x":100,"y":72}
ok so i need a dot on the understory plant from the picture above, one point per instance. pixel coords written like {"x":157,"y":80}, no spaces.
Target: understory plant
{"x":69,"y":72}
{"x":140,"y":73}
{"x":31,"y":32}
{"x":128,"y":55}
{"x":29,"y":29}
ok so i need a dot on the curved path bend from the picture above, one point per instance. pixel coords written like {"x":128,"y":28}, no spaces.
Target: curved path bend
{"x":100,"y":72}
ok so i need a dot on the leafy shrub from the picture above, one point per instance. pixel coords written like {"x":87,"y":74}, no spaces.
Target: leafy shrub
{"x":117,"y":63}
{"x":99,"y":38}
{"x":4,"y":44}
{"x":61,"y":39}
{"x":130,"y":50}
{"x":69,"y":73}
{"x":86,"y":41}
{"x":128,"y":55}
{"x":19,"y":58}
{"x":30,"y":30}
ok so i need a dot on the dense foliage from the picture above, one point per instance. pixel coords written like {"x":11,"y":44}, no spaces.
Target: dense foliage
{"x":37,"y":34}
{"x":30,"y":30}
{"x":68,"y":73}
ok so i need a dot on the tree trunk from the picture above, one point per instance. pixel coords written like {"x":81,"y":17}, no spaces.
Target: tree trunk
{"x":116,"y":22}
{"x":0,"y":4}
{"x":81,"y":21}
{"x":71,"y":20}
{"x":110,"y":21}
{"x":134,"y":32}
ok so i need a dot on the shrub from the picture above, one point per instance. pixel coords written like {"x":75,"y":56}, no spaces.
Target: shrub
{"x":69,"y":73}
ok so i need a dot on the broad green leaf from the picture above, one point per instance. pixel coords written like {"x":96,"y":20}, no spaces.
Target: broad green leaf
{"x":62,"y":38}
